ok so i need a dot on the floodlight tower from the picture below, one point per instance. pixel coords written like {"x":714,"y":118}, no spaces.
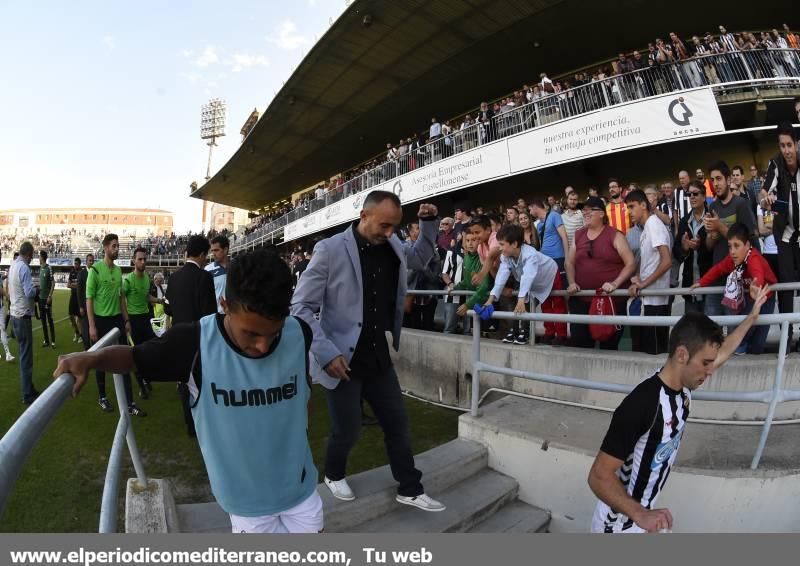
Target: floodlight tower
{"x":212,"y":126}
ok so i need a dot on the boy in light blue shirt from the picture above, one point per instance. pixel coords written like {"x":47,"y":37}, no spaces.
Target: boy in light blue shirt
{"x":537,"y":275}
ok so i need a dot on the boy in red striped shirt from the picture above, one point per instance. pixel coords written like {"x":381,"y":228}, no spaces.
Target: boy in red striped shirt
{"x":755,"y":273}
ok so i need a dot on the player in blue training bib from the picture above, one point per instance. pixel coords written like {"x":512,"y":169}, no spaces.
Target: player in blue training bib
{"x":247,"y":372}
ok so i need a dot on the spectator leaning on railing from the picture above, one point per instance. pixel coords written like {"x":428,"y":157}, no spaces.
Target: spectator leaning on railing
{"x":599,"y":259}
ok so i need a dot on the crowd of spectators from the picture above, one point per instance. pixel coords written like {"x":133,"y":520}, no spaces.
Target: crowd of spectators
{"x":710,"y":228}
{"x":57,"y":245}
{"x":669,"y":64}
{"x":172,"y":244}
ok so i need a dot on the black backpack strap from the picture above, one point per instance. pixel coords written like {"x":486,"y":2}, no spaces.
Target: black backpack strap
{"x":308,"y":336}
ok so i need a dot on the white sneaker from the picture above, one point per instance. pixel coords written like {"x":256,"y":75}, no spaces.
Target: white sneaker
{"x":340,"y":489}
{"x":423,"y":502}
{"x":9,"y":357}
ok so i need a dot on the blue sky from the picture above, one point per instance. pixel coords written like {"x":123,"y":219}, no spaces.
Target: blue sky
{"x":101,"y":100}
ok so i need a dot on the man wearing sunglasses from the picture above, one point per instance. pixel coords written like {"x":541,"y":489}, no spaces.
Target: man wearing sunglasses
{"x":690,"y":246}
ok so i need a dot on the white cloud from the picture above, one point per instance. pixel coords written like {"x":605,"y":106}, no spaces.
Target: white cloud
{"x":245,"y":61}
{"x":193,"y":78}
{"x":207,"y":57}
{"x":187,"y":53}
{"x":286,"y":37}
{"x":109,"y":41}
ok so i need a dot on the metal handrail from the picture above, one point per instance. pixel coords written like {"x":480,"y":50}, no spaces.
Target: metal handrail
{"x":772,"y":397}
{"x":19,"y":441}
{"x":124,"y":433}
{"x":674,"y":291}
{"x":739,"y":69}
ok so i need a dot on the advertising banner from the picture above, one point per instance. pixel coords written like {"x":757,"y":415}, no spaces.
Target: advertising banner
{"x":656,"y":120}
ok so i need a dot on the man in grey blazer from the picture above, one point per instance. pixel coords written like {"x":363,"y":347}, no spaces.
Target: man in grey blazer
{"x":356,"y":281}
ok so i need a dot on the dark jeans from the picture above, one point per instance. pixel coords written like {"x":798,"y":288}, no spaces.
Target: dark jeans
{"x":104,"y":325}
{"x":788,"y":272}
{"x":382,"y":392}
{"x":755,"y":339}
{"x":655,"y":339}
{"x":579,"y":334}
{"x":23,"y":330}
{"x":46,"y":312}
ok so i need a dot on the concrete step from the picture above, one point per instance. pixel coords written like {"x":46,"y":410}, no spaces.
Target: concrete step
{"x":375,"y":490}
{"x":468,"y":503}
{"x":515,"y":518}
{"x":202,"y":518}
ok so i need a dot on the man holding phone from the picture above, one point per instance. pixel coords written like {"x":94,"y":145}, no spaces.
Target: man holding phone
{"x":690,"y":245}
{"x":779,"y":194}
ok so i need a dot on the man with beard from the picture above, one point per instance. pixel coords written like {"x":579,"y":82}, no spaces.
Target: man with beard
{"x":106,"y":310}
{"x":138,"y":300}
{"x":616,"y":210}
{"x":572,"y":217}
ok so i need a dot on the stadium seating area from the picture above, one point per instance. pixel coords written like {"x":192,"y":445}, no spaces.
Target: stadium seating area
{"x":664,"y":66}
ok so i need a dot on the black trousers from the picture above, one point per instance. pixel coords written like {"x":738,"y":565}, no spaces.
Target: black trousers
{"x":46,"y":312}
{"x":422,"y":317}
{"x":141,"y":332}
{"x":383,"y":394}
{"x":655,"y":339}
{"x":788,"y":272}
{"x":104,"y":325}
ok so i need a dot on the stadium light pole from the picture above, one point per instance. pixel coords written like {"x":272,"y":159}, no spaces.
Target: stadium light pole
{"x":212,"y":126}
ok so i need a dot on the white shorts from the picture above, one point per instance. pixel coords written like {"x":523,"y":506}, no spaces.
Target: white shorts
{"x":305,"y":517}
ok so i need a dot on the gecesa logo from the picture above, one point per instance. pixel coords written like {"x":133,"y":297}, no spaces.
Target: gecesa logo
{"x":397,"y":188}
{"x":332,"y":211}
{"x":678,"y":106}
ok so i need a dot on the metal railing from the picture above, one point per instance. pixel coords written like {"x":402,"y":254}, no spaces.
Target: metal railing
{"x":18,"y":443}
{"x":771,"y":397}
{"x":758,"y":70}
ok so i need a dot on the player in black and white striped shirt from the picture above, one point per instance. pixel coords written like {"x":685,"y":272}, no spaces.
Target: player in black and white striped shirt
{"x":635,"y":459}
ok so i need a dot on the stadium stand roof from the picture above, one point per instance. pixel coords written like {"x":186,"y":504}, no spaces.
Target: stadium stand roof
{"x":383,"y":69}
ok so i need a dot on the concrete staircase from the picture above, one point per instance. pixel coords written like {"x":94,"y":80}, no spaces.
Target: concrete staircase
{"x":478,"y":500}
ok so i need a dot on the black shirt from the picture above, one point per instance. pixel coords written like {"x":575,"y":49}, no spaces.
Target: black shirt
{"x":73,"y":278}
{"x":83,"y":277}
{"x":379,"y":272}
{"x":175,"y":356}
